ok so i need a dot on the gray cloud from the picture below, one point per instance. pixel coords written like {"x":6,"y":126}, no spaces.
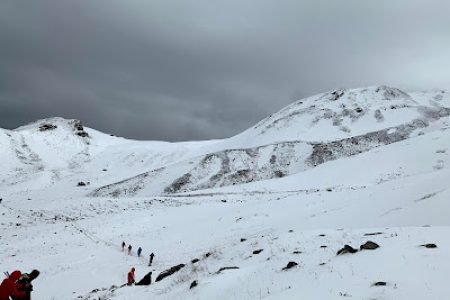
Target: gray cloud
{"x":180,"y":70}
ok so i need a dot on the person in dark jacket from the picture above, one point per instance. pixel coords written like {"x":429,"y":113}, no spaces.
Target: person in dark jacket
{"x":151,"y":259}
{"x":139,"y":252}
{"x":123,"y":245}
{"x":129,"y":249}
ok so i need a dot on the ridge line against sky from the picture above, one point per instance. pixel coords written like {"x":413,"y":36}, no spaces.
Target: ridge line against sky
{"x":200,"y":70}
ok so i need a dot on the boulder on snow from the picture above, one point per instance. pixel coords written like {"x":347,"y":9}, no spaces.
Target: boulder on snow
{"x":193,"y":284}
{"x":429,"y":246}
{"x":379,"y":283}
{"x":258,"y":251}
{"x":195,"y":260}
{"x":226,"y":268}
{"x":369,"y":245}
{"x":346,"y":249}
{"x":290,"y":265}
{"x":373,"y":233}
{"x":169,"y":272}
{"x":147,"y":280}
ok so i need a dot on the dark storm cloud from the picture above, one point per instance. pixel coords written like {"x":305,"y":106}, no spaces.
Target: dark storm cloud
{"x":178,"y":70}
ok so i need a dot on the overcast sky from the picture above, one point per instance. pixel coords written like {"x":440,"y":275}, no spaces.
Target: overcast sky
{"x":182,"y":70}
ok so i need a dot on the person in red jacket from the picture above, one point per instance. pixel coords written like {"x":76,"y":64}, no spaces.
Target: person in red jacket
{"x":11,"y":288}
{"x":130,"y":277}
{"x":18,"y":286}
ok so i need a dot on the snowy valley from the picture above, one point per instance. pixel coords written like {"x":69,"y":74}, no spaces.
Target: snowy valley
{"x":339,"y":168}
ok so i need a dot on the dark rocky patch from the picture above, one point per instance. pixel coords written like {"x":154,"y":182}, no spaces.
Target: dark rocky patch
{"x":347,"y":249}
{"x":195,"y":260}
{"x":379,"y":283}
{"x":290,"y":265}
{"x":369,"y":245}
{"x":79,"y":129}
{"x":243,"y":240}
{"x":81,"y":183}
{"x":258,"y":251}
{"x":297,"y":252}
{"x":278,"y":174}
{"x":169,"y":272}
{"x":47,"y":126}
{"x":323,"y":246}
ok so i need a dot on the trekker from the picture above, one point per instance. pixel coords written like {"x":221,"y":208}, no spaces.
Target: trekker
{"x":123,"y":245}
{"x":131,"y":276}
{"x":129,"y":249}
{"x":18,"y":286}
{"x":151,"y":259}
{"x":139,"y":252}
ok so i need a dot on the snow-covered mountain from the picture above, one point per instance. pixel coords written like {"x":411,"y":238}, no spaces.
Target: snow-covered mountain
{"x":337,"y":168}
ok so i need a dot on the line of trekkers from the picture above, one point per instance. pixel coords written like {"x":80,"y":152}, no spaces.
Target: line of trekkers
{"x":147,"y":280}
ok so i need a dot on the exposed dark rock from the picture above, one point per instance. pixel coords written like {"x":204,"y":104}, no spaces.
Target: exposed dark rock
{"x":369,"y":245}
{"x":81,"y":183}
{"x":290,"y":265}
{"x":193,"y":284}
{"x":195,"y":260}
{"x":223,"y":200}
{"x":278,"y":174}
{"x":323,"y":246}
{"x":208,"y":254}
{"x":297,"y":252}
{"x":47,"y":126}
{"x":226,"y":268}
{"x":178,"y":184}
{"x":169,"y":272}
{"x":79,"y":129}
{"x":322,"y":235}
{"x":346,"y":249}
{"x":258,"y":251}
{"x":379,"y":283}
{"x":243,"y":240}
{"x":429,"y":246}
{"x":373,"y":233}
{"x":146,"y":280}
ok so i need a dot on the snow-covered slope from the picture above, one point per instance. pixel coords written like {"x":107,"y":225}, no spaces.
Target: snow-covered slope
{"x":301,"y":136}
{"x":343,"y":167}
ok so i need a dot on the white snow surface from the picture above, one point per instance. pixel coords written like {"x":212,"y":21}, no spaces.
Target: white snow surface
{"x":343,"y":167}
